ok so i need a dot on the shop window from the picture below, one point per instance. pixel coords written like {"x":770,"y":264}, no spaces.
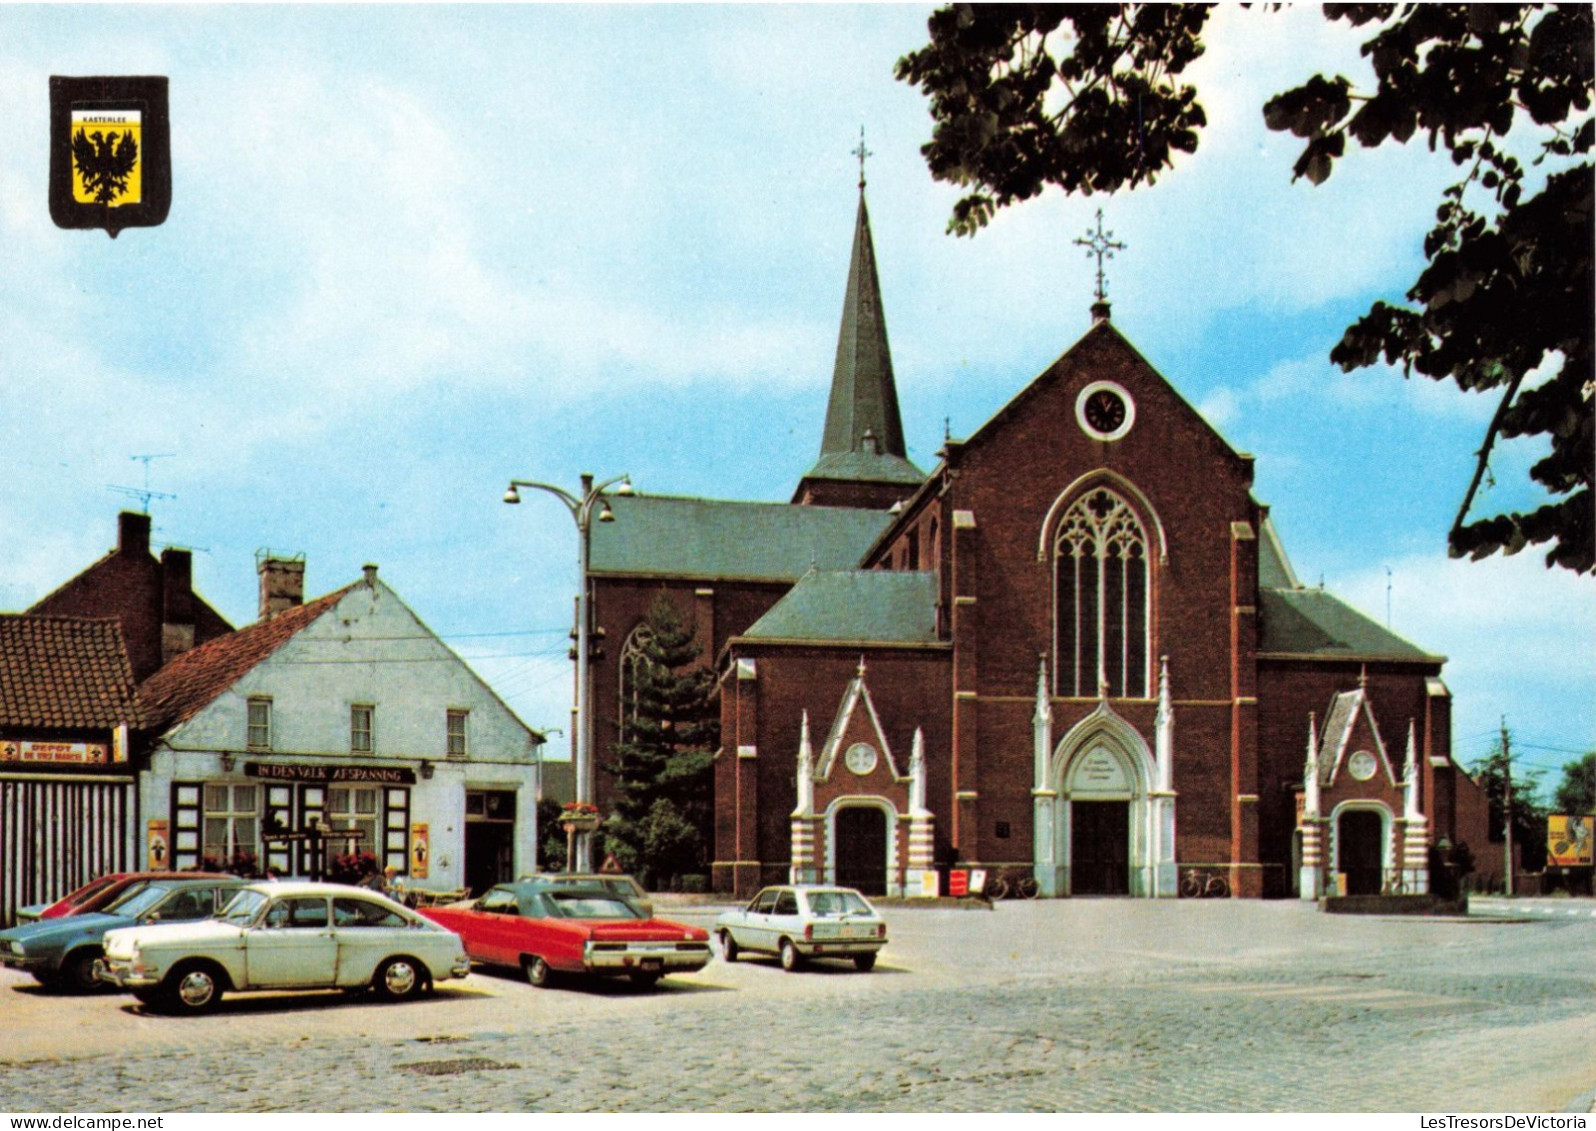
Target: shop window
{"x":231,"y":822}
{"x":259,"y":733}
{"x":361,"y":718}
{"x":455,"y":727}
{"x":353,"y":808}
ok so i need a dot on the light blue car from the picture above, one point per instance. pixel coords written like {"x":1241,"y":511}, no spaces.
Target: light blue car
{"x":61,"y":953}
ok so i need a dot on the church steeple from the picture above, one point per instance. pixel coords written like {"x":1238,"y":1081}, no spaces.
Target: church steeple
{"x":863,"y":461}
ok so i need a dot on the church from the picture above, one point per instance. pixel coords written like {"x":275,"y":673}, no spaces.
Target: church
{"x":1073,"y":650}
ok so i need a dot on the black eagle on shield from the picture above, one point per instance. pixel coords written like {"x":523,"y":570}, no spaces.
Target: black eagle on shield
{"x":105,"y":161}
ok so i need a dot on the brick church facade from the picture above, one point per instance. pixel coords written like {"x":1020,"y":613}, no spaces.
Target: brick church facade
{"x":1074,"y":648}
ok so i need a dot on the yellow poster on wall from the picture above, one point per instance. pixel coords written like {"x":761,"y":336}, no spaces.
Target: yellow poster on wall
{"x":420,"y":851}
{"x":158,"y":847}
{"x":1569,"y":840}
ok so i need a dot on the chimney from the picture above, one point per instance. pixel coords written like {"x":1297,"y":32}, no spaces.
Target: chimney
{"x":370,"y":571}
{"x":282,"y":583}
{"x":177,"y":602}
{"x":132,"y":533}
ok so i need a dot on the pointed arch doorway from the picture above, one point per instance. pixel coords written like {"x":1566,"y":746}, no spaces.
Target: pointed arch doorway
{"x":1103,"y":838}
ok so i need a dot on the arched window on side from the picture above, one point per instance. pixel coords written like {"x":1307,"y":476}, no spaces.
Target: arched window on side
{"x":634,"y":663}
{"x":1101,"y":598}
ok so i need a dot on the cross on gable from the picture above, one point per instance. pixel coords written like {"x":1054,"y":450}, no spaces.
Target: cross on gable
{"x":1098,"y":243}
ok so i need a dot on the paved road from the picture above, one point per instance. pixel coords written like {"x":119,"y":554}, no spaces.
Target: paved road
{"x":1088,"y":1005}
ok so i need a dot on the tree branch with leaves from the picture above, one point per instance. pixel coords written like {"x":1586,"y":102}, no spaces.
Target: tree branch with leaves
{"x":1089,"y":98}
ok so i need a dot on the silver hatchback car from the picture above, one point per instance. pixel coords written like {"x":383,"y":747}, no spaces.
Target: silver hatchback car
{"x":801,"y":922}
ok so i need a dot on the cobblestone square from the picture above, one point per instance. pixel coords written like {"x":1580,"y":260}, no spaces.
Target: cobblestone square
{"x":1070,"y":1005}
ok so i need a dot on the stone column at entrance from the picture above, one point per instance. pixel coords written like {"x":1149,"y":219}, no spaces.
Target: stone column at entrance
{"x":1415,"y":829}
{"x":1043,"y":800}
{"x":804,"y":868}
{"x":1310,"y":874}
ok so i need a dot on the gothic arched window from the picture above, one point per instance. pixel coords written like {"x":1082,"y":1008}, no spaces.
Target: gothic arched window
{"x":1101,"y":598}
{"x":634,"y":661}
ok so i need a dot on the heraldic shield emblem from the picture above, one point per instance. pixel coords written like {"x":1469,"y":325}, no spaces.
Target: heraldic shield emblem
{"x":110,"y":152}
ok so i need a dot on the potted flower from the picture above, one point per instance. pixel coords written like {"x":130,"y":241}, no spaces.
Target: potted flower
{"x":579,"y":817}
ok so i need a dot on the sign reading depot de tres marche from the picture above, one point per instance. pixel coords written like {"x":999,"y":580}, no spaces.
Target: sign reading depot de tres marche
{"x":335,"y":775}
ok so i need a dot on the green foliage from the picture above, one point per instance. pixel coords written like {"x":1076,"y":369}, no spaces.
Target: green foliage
{"x":1576,"y":793}
{"x":1492,"y":772}
{"x":551,"y":849}
{"x":1086,"y":97}
{"x":660,"y":821}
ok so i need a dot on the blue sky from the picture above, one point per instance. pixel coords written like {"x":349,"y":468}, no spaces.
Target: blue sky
{"x":416,"y":251}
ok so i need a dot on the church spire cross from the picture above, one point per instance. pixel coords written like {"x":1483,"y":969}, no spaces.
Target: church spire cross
{"x":1103,"y":245}
{"x":861,"y":152}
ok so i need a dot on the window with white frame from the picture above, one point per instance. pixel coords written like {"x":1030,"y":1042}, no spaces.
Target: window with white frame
{"x":258,"y":735}
{"x":361,"y":719}
{"x":231,"y":821}
{"x":1102,"y":598}
{"x":455,"y":731}
{"x":354,"y":808}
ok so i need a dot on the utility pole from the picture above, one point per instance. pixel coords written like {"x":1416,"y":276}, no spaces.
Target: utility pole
{"x":1507,"y":805}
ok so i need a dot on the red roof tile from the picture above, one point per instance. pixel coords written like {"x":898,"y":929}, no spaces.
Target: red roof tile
{"x":193,"y":680}
{"x":65,"y":672}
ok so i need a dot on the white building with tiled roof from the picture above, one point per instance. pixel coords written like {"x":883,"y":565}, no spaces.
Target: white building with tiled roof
{"x":334,"y":727}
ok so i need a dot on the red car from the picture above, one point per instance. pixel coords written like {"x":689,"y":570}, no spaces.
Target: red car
{"x":545,"y":927}
{"x":99,"y":892}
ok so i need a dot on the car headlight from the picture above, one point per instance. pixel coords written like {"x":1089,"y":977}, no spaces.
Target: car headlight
{"x":16,"y":947}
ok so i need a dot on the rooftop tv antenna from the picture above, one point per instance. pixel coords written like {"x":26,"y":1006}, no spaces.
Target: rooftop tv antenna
{"x":144,"y":494}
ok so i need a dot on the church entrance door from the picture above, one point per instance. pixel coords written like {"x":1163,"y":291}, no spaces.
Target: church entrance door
{"x":1100,"y":848}
{"x":861,"y":844}
{"x":1358,"y":850}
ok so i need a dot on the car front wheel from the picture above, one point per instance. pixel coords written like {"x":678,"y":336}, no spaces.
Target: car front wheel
{"x":536,"y":970}
{"x":728,"y":946}
{"x":790,"y":958}
{"x":77,"y":972}
{"x":399,"y":979}
{"x":194,"y":987}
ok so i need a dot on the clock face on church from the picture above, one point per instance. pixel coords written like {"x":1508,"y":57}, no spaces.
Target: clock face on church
{"x":1104,"y":410}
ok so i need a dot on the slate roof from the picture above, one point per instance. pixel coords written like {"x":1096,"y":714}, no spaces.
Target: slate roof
{"x":711,"y":538}
{"x":193,"y":680}
{"x":1311,"y":622}
{"x":863,"y":437}
{"x":65,"y":672}
{"x":867,"y":467}
{"x":1274,"y":568}
{"x":868,"y":606}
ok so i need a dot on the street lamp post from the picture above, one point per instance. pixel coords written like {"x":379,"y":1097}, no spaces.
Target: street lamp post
{"x":581,"y":508}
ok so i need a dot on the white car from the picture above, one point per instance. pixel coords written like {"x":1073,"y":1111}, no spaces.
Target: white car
{"x":801,"y":922}
{"x":285,"y":936}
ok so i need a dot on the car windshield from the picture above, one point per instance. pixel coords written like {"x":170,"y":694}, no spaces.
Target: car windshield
{"x":136,"y":901}
{"x":243,"y":907}
{"x":589,"y":905}
{"x":828,"y":903}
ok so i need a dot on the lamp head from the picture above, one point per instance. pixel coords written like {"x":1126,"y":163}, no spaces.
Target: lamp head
{"x":605,"y":514}
{"x":512,"y":496}
{"x":625,"y":490}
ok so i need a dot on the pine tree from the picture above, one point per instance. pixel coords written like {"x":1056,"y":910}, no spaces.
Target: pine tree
{"x":660,"y":820}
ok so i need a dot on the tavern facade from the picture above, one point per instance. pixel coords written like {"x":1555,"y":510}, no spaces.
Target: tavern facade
{"x":139,"y":730}
{"x":1075,"y":647}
